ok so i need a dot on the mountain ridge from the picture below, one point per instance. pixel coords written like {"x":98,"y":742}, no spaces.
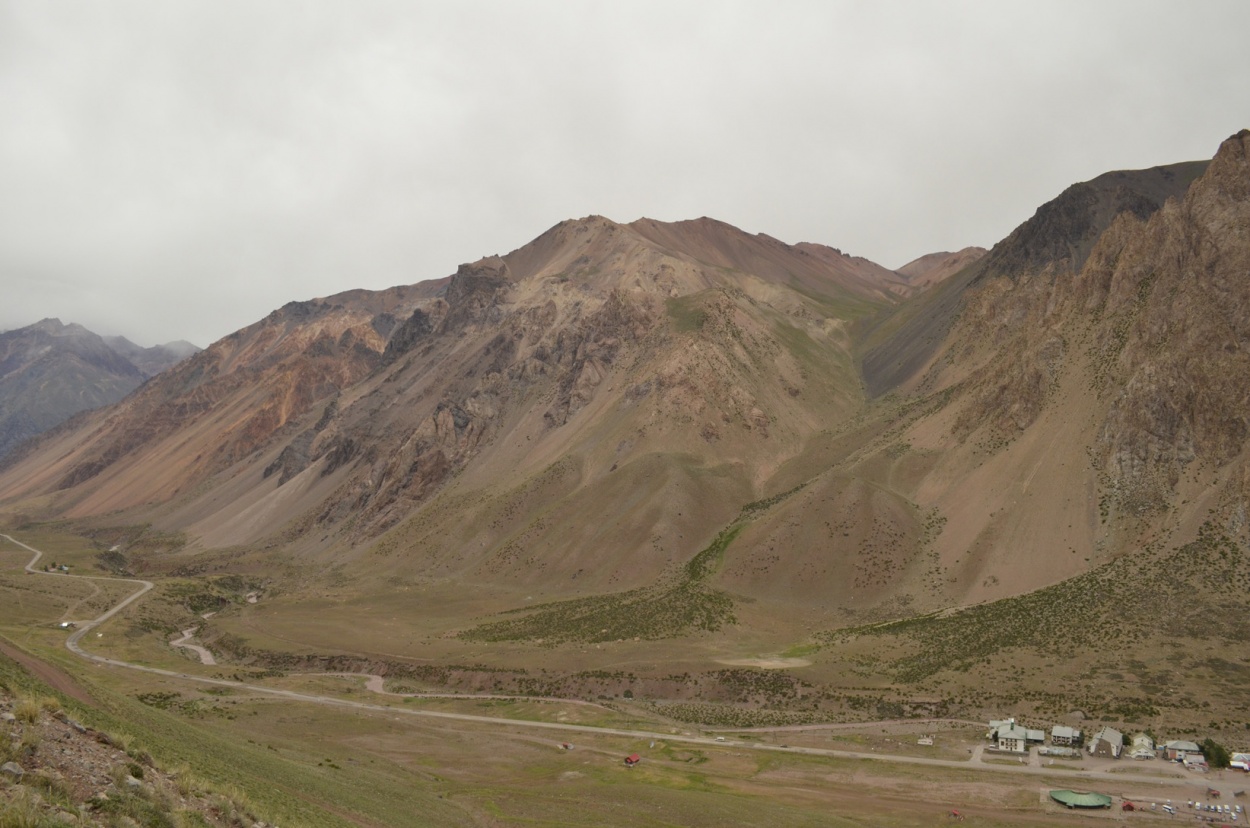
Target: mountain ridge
{"x":1058,"y":238}
{"x":50,"y":371}
{"x":662,"y":377}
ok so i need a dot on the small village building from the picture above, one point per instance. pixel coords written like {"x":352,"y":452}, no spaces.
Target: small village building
{"x":1240,"y":761}
{"x":1064,"y":735}
{"x":1108,"y":743}
{"x":1143,"y":747}
{"x":1195,"y":761}
{"x":1012,"y":737}
{"x":632,"y":759}
{"x":1177,"y":749}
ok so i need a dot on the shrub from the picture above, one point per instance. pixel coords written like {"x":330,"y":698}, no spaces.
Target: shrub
{"x":21,"y":810}
{"x":1217,"y":755}
{"x":27,"y":710}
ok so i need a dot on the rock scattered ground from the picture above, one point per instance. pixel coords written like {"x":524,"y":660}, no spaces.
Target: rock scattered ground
{"x":56,"y":771}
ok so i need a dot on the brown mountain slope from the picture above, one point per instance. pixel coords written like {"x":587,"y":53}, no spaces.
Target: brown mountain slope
{"x":587,"y":370}
{"x":1081,"y":416}
{"x":595,"y":366}
{"x":811,"y":271}
{"x":932,"y":268}
{"x":211,"y":410}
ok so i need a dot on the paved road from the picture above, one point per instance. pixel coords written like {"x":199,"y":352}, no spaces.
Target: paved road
{"x":73,"y":644}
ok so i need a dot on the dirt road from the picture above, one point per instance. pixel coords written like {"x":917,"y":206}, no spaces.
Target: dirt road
{"x":54,"y":677}
{"x":186,"y":635}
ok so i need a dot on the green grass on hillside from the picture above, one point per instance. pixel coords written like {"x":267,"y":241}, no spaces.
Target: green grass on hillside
{"x":1192,"y":592}
{"x":659,"y":611}
{"x":686,"y":313}
{"x":284,"y":786}
{"x":679,"y":606}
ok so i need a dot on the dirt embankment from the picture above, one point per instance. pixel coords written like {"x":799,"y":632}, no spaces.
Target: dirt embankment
{"x":54,"y":677}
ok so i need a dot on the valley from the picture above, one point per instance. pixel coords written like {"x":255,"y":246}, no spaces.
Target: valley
{"x":603,"y":733}
{"x":652,"y":486}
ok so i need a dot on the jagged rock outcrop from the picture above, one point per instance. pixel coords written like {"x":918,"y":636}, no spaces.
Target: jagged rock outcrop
{"x":1154,"y":320}
{"x":1172,"y":296}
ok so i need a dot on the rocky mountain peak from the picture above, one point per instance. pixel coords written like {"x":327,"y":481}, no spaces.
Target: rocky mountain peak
{"x":50,"y":325}
{"x":1227,"y":180}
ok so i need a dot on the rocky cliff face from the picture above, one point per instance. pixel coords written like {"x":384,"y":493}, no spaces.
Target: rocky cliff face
{"x":1152,"y":297}
{"x":1137,"y":356}
{"x":1052,"y":244}
{"x":1170,"y":297}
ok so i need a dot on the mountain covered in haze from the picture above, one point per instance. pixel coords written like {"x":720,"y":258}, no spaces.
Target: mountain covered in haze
{"x":50,"y":372}
{"x":932,"y":268}
{"x":708,"y":426}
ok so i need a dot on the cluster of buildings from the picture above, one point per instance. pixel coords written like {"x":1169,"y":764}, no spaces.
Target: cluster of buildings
{"x":1009,"y":736}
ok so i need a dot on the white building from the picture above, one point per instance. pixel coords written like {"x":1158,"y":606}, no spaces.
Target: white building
{"x":1064,"y":735}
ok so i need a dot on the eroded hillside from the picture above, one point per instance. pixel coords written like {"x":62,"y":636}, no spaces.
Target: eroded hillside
{"x":650,"y":377}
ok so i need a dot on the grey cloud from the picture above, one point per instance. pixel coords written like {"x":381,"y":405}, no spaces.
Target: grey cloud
{"x":178,"y":170}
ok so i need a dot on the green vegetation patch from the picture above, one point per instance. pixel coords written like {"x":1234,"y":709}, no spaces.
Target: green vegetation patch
{"x":659,"y":611}
{"x":1190,"y":592}
{"x":650,"y":613}
{"x":673,"y":608}
{"x":686,"y":313}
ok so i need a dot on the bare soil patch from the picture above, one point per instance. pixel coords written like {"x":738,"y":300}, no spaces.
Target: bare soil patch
{"x":766,"y":663}
{"x":55,"y":677}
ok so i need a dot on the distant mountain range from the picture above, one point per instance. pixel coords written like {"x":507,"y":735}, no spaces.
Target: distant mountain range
{"x":50,"y":372}
{"x":693,"y":420}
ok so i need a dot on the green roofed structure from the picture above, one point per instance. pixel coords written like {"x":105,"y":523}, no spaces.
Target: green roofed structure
{"x":1072,"y":799}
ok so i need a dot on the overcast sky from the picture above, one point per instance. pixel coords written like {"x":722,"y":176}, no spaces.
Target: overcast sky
{"x":176,"y":170}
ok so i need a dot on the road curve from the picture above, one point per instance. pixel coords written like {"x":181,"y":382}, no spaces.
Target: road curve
{"x":186,"y":635}
{"x":73,"y":644}
{"x":86,"y":626}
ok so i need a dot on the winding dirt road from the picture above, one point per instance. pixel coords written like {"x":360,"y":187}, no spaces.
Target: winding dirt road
{"x":186,"y":635}
{"x":73,"y":643}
